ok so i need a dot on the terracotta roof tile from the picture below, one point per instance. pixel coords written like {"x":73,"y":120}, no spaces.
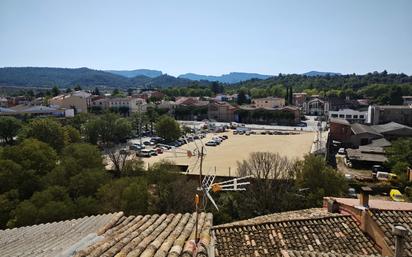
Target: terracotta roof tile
{"x":154,"y":235}
{"x":338,"y":233}
{"x":50,"y":239}
{"x":283,"y":216}
{"x":386,"y":219}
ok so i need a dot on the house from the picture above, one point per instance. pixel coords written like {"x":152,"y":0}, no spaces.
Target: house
{"x":385,"y":222}
{"x":36,"y":110}
{"x":151,"y":94}
{"x":112,"y":235}
{"x":268,"y":102}
{"x":299,"y":99}
{"x":393,"y":130}
{"x":363,"y":135}
{"x":78,"y":100}
{"x":221,"y":111}
{"x":380,"y":114}
{"x":353,"y":116}
{"x":366,"y":155}
{"x":339,"y":129}
{"x":343,"y":227}
{"x":316,"y":106}
{"x":190,"y":108}
{"x":407,"y":100}
{"x":131,"y":104}
{"x":312,"y":231}
{"x":288,"y":115}
{"x":4,"y":102}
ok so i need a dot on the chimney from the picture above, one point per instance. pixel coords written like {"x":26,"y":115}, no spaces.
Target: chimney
{"x":400,"y":233}
{"x":364,"y":196}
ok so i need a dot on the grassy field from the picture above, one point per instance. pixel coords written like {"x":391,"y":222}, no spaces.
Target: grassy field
{"x":223,"y":158}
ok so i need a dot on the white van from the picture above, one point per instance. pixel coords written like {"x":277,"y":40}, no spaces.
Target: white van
{"x":384,"y":176}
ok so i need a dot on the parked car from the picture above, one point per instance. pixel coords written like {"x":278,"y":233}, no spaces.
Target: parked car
{"x":153,"y":152}
{"x":225,"y":136}
{"x":342,"y":151}
{"x":144,"y":153}
{"x":247,"y":133}
{"x":217,"y":139}
{"x":302,"y":124}
{"x":159,"y":150}
{"x":383,"y":176}
{"x":263,"y":133}
{"x":211,"y":143}
{"x":136,"y":147}
{"x":396,"y":195}
{"x":146,"y":142}
{"x":235,"y":132}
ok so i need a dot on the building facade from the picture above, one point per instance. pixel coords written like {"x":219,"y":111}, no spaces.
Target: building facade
{"x":350,"y":115}
{"x":78,"y":100}
{"x":221,"y":111}
{"x":268,"y":102}
{"x":401,"y":114}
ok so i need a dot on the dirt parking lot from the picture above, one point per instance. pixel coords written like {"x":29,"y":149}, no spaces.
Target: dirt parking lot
{"x":223,"y":157}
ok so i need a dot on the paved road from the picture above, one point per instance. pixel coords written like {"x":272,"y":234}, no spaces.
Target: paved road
{"x":312,"y":125}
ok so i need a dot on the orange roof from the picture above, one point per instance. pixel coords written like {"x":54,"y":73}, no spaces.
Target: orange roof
{"x":377,"y":204}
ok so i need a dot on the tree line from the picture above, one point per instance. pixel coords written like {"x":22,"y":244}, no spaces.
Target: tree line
{"x":54,"y":169}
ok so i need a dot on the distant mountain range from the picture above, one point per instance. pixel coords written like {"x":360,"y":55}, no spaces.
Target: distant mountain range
{"x":62,"y":77}
{"x":143,"y":78}
{"x":233,"y":77}
{"x":320,"y":73}
{"x":135,"y":73}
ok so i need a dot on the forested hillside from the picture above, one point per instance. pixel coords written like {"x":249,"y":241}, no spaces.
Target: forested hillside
{"x":84,"y":77}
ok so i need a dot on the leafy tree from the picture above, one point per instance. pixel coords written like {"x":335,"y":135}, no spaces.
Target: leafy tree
{"x":135,"y":197}
{"x":168,"y":128}
{"x":55,"y":91}
{"x":8,"y":203}
{"x":87,"y":182}
{"x":241,"y":98}
{"x":73,"y":135}
{"x":108,"y":128}
{"x":319,"y":179}
{"x":46,"y":130}
{"x":9,"y":127}
{"x":32,"y":155}
{"x":11,"y":175}
{"x":96,"y":91}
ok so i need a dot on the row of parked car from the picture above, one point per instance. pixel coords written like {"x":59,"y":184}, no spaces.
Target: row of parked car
{"x":216,"y":140}
{"x":157,"y":145}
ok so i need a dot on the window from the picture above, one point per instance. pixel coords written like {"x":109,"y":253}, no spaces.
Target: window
{"x":334,"y":115}
{"x":355,"y":116}
{"x":348,"y":116}
{"x":341,"y":116}
{"x":361,"y":116}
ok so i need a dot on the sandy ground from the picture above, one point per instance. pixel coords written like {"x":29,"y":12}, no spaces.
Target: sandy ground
{"x":223,"y":157}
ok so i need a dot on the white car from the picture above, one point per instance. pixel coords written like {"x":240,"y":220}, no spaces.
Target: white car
{"x":342,"y":151}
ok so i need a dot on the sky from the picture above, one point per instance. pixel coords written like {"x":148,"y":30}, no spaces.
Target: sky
{"x":209,"y":37}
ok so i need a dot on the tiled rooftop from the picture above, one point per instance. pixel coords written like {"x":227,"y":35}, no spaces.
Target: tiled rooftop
{"x":154,"y":235}
{"x":387,"y":218}
{"x":117,"y":235}
{"x":375,"y":204}
{"x":283,"y":216}
{"x":339,"y":234}
{"x":50,"y":239}
{"x":291,"y":253}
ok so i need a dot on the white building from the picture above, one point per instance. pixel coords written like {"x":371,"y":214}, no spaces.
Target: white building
{"x":407,"y":100}
{"x":350,"y":115}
